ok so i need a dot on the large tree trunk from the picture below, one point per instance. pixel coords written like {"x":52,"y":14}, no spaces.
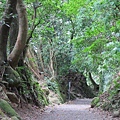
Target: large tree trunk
{"x":4,"y":29}
{"x":22,"y":35}
{"x":4,"y":32}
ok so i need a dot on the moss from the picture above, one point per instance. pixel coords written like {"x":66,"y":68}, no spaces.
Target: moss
{"x":95,"y":102}
{"x":14,"y":118}
{"x":5,"y":106}
{"x":98,"y":104}
{"x":106,"y":106}
{"x":5,"y":118}
{"x":1,"y":113}
{"x":12,"y":77}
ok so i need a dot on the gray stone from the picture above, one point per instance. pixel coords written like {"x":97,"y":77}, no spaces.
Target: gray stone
{"x":12,"y":97}
{"x":116,"y":113}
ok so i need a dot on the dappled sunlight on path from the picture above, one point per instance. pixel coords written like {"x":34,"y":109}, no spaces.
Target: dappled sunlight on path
{"x":76,"y":107}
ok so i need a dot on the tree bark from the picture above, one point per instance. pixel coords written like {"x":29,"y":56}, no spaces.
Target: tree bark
{"x":40,"y":57}
{"x":22,"y":35}
{"x":96,"y":87}
{"x":52,"y":60}
{"x":13,"y":32}
{"x":32,"y":64}
{"x":4,"y":32}
{"x":4,"y":29}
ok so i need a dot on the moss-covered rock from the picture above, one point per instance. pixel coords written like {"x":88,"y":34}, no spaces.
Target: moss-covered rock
{"x":3,"y":116}
{"x":95,"y":102}
{"x":116,"y":113}
{"x":12,"y":97}
{"x":14,"y":118}
{"x":12,"y":77}
{"x":5,"y":107}
{"x":1,"y":113}
{"x":46,"y":91}
{"x":54,"y":98}
{"x":3,"y":94}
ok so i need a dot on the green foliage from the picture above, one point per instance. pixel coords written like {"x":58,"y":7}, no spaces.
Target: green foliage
{"x":31,"y":87}
{"x":116,"y":88}
{"x":74,"y":34}
{"x":72,"y":7}
{"x":2,"y":6}
{"x":97,"y":39}
{"x":95,"y":102}
{"x":55,"y":87}
{"x":42,"y":97}
{"x":106,"y":106}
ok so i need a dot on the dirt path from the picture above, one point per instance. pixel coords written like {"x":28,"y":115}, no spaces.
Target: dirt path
{"x":76,"y":110}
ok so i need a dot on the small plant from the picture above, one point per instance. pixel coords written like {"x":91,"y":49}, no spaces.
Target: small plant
{"x":55,"y":87}
{"x":116,"y":88}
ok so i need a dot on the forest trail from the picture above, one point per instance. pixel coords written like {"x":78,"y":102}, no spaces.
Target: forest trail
{"x":78,"y":109}
{"x":74,"y":110}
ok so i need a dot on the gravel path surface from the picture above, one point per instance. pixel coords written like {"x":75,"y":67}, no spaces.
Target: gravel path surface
{"x":75,"y":110}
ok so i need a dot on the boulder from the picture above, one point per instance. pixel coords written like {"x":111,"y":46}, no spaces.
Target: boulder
{"x":12,"y":97}
{"x":1,"y":114}
{"x":6,"y":108}
{"x":5,"y":117}
{"x":53,"y":98}
{"x":116,"y":113}
{"x":12,"y":77}
{"x":3,"y":94}
{"x":46,"y":91}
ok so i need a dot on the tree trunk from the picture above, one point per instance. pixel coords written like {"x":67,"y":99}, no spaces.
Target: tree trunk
{"x":40,"y":57}
{"x":32,"y":64}
{"x":4,"y":29}
{"x":13,"y":31}
{"x":96,"y":87}
{"x":4,"y":32}
{"x":22,"y":35}
{"x":51,"y":65}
